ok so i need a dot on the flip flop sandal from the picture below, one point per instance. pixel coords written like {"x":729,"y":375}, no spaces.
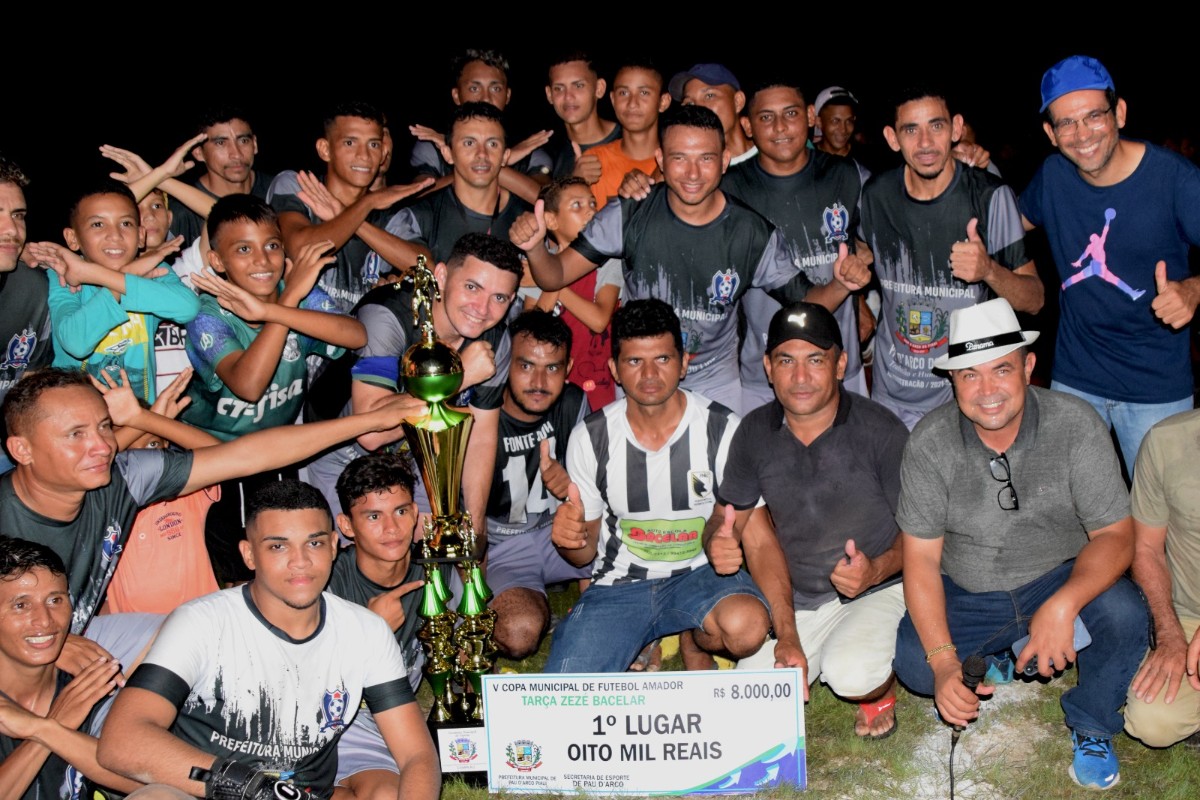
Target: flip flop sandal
{"x":872,"y":710}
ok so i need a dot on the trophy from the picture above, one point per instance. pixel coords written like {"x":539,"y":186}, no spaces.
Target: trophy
{"x":458,"y":644}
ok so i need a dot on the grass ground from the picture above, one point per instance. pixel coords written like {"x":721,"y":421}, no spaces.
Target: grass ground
{"x":1018,"y":748}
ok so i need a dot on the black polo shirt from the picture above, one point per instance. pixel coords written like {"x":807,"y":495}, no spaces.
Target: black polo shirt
{"x":845,"y":485}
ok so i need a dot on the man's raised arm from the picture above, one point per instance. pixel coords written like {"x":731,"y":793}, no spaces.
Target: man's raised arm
{"x":551,"y":271}
{"x":287,"y":444}
{"x":340,"y":222}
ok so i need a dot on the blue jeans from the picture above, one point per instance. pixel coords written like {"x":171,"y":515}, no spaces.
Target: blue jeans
{"x":1129,"y":420}
{"x":987,"y":623}
{"x":609,"y":625}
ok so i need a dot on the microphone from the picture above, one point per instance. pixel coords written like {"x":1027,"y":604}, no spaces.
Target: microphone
{"x":974,"y":668}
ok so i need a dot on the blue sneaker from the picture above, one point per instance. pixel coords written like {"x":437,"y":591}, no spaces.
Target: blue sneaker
{"x":1095,"y":764}
{"x":999,"y":672}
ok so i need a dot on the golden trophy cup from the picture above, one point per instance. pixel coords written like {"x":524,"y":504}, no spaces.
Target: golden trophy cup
{"x":458,"y":644}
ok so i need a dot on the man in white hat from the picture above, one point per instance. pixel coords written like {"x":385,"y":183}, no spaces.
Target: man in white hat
{"x":1016,"y":521}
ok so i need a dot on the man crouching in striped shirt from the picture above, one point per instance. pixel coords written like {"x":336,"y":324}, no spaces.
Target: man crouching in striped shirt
{"x":644,"y":473}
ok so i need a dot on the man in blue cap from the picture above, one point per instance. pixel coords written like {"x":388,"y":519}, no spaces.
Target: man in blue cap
{"x":717,"y":89}
{"x":1120,"y":215}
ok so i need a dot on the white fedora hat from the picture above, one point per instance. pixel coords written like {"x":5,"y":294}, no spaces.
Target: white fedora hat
{"x":981,"y":333}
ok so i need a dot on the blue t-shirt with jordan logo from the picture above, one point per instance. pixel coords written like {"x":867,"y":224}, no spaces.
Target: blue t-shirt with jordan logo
{"x":1106,"y":241}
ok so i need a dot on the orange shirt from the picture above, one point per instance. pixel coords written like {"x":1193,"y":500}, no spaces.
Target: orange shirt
{"x":165,"y":562}
{"x":614,"y":165}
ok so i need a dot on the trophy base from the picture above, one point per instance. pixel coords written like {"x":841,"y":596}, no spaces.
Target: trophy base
{"x":448,"y":539}
{"x":462,"y":751}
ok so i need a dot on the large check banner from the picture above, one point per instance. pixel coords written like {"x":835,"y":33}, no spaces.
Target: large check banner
{"x":658,"y":733}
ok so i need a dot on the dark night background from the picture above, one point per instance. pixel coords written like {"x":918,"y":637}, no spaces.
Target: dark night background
{"x":65,"y":100}
{"x":60,"y":109}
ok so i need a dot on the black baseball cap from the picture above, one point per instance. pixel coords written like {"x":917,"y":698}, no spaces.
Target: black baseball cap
{"x":807,"y":321}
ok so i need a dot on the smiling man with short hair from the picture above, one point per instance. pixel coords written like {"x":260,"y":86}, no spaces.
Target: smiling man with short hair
{"x":689,"y":241}
{"x":1016,"y":521}
{"x":1121,"y":215}
{"x":253,"y":686}
{"x":826,"y":558}
{"x":944,"y":236}
{"x":474,"y":201}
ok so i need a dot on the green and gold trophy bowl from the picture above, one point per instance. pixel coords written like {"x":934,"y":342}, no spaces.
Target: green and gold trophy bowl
{"x":458,"y":644}
{"x":433,"y":372}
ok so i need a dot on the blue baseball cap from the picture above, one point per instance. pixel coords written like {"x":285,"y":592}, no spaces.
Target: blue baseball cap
{"x":712,"y":74}
{"x":1073,"y":74}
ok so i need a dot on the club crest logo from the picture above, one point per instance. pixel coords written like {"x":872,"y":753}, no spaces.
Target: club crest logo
{"x":724,"y":287}
{"x":700,"y":485}
{"x":922,"y":329}
{"x":523,"y":755}
{"x":463,"y":750}
{"x":837,"y":221}
{"x":333,"y":709}
{"x":370,"y":269}
{"x":111,"y":545}
{"x":20,"y":348}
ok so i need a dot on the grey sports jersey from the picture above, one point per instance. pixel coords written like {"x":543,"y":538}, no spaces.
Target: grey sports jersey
{"x":911,"y":240}
{"x":702,"y":271}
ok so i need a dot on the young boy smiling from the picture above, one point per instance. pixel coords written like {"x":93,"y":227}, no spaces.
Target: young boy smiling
{"x":108,"y":323}
{"x":250,"y":341}
{"x":43,"y":751}
{"x":254,"y":329}
{"x":377,"y":571}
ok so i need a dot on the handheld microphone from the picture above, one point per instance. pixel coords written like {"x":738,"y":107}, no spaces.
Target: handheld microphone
{"x":973,"y":670}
